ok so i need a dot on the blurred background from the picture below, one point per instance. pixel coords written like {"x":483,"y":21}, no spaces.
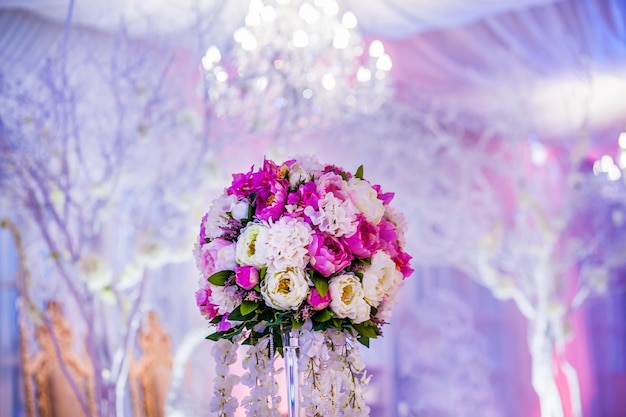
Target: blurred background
{"x":499,"y":126}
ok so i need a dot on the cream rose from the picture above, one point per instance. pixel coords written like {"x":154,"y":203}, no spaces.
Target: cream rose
{"x":366,"y":199}
{"x":380,"y":278}
{"x":285,"y":289}
{"x":252,"y":245}
{"x":346,"y":298}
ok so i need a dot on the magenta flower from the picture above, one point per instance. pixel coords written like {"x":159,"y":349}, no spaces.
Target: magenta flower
{"x":244,"y":185}
{"x":388,"y":238}
{"x":385,"y":197}
{"x":247,"y":277}
{"x":365,"y":241}
{"x":270,"y":200}
{"x":316,"y":301}
{"x":305,"y":195}
{"x":328,"y":255}
{"x":203,"y":229}
{"x":402,"y":262}
{"x":224,"y":324}
{"x":217,"y":255}
{"x":204,"y":304}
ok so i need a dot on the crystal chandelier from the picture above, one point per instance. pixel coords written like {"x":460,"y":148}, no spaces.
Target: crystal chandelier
{"x":296,"y":63}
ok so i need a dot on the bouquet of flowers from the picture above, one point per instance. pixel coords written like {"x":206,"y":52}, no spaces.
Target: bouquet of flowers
{"x":303,"y":245}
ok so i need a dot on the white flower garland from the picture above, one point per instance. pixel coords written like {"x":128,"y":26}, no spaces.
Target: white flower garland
{"x":259,"y":377}
{"x":334,"y":377}
{"x":225,"y":354}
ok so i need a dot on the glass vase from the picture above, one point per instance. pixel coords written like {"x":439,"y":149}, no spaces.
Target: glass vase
{"x":290,"y":353}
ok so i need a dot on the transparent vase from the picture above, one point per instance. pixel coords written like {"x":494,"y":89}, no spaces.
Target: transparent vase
{"x":290,"y":338}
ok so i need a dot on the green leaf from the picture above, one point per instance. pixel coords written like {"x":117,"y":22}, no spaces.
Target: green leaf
{"x":216,"y":319}
{"x":296,"y":324}
{"x":228,"y":334}
{"x":344,"y":176}
{"x":322,"y":316}
{"x":262,"y":273}
{"x":219,"y":278}
{"x":248,"y":307}
{"x":337,"y":322}
{"x":365,"y":341}
{"x":236,"y":315}
{"x":367,"y":329}
{"x":251,"y":207}
{"x":359,"y":172}
{"x":321,"y":284}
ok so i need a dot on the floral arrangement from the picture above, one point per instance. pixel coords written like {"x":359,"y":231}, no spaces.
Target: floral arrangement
{"x":304,"y":245}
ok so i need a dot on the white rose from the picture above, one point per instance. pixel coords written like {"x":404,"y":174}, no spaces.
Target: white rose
{"x":380,"y":278}
{"x":252,"y":245}
{"x":286,"y":289}
{"x":346,"y":298}
{"x":366,"y":199}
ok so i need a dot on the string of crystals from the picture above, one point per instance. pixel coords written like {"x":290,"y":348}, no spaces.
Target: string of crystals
{"x":295,"y":63}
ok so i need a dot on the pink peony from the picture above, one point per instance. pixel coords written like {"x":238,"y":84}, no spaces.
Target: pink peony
{"x":247,"y":277}
{"x":333,"y":183}
{"x":316,"y":301}
{"x":328,"y":255}
{"x":204,"y":304}
{"x":217,"y":255}
{"x":365,"y":241}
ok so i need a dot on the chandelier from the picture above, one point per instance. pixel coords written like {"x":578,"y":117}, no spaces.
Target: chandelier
{"x":296,"y":63}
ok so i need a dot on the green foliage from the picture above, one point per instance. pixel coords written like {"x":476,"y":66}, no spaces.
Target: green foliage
{"x":219,"y":278}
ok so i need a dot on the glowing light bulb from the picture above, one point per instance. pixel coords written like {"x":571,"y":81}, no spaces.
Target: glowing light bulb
{"x":383,"y":62}
{"x":341,"y":39}
{"x":328,"y":81}
{"x":376,"y":49}
{"x":308,"y":13}
{"x":622,"y":140}
{"x":363,"y":74}
{"x":348,"y":20}
{"x":300,"y":39}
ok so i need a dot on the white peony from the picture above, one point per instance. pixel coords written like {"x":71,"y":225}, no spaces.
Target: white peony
{"x":225,"y":298}
{"x":222,"y":210}
{"x":284,"y":289}
{"x":347,"y":298}
{"x":287,"y":242}
{"x":252,"y":245}
{"x":304,"y":169}
{"x":366,"y":199}
{"x":380,"y":278}
{"x":335,"y":216}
